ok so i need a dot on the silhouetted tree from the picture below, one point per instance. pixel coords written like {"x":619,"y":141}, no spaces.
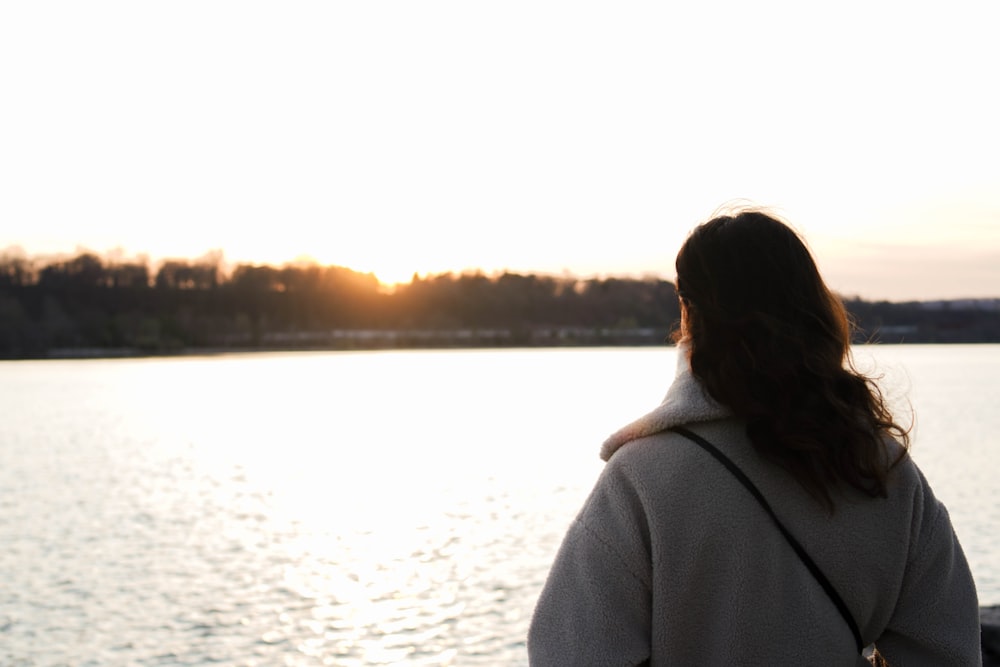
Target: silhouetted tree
{"x":131,"y":275}
{"x":15,"y":270}
{"x":82,"y":272}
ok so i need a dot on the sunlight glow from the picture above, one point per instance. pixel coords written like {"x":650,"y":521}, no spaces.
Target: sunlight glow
{"x":546,"y":137}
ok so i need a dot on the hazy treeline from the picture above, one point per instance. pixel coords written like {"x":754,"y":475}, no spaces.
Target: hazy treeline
{"x":86,"y":305}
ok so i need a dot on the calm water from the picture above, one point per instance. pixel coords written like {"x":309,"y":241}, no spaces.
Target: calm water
{"x":356,"y":508}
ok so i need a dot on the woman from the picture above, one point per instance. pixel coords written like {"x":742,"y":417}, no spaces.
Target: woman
{"x":673,"y":561}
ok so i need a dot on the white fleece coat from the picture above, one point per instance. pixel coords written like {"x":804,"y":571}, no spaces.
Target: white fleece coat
{"x":672,"y":561}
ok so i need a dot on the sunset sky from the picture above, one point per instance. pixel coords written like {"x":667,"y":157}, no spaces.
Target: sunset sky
{"x":550,"y":137}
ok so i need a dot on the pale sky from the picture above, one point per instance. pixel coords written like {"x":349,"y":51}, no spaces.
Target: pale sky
{"x":573,"y":137}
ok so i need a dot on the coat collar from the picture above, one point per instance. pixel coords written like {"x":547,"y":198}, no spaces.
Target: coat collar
{"x":686,"y":402}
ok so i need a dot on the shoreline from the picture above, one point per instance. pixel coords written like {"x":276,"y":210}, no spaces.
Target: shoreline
{"x":94,"y":353}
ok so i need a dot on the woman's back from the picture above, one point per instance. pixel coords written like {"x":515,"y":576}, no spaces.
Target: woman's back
{"x":718,"y":561}
{"x":672,"y":560}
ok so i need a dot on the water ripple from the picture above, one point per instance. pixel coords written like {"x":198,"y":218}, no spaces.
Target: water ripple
{"x":180,"y":513}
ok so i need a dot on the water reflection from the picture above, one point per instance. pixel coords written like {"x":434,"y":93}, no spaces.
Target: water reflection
{"x":347,"y":509}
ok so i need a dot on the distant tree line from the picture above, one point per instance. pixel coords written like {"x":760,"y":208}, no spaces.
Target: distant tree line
{"x":89,"y":306}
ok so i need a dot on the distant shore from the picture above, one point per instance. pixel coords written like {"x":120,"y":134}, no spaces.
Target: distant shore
{"x":89,"y":307}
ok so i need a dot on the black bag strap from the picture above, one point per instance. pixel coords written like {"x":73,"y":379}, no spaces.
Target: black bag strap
{"x":801,"y":552}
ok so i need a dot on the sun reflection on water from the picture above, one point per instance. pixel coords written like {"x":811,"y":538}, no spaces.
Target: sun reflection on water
{"x":346,"y":509}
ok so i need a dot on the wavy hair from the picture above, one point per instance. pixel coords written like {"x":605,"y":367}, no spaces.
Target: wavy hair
{"x":768,"y":339}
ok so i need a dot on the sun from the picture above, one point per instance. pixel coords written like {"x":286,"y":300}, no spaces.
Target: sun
{"x":389,"y":268}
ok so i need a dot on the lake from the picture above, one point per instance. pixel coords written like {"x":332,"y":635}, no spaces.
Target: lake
{"x":368,"y":508}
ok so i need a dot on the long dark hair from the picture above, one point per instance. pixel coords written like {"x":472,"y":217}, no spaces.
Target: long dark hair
{"x":770,"y":341}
